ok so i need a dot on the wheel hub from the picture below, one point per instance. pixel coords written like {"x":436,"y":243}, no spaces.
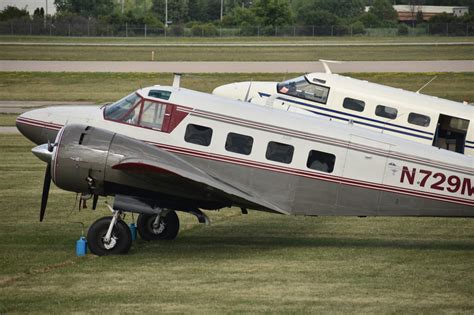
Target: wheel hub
{"x":110,"y":244}
{"x":159,"y":228}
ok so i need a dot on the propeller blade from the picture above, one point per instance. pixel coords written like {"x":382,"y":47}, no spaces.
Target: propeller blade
{"x":94,"y":202}
{"x":46,"y":185}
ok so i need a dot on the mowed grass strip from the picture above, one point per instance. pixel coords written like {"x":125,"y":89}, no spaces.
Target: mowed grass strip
{"x":246,"y":39}
{"x":363,"y":53}
{"x":7,"y":120}
{"x":251,"y":263}
{"x":109,"y":87}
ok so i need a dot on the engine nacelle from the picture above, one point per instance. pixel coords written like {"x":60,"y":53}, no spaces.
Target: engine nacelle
{"x":80,"y":157}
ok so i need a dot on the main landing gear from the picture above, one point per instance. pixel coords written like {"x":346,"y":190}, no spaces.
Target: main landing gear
{"x":112,"y":236}
{"x":154,"y":227}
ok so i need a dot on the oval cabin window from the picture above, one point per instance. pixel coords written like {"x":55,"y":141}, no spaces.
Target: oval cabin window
{"x":386,"y":112}
{"x":353,"y":104}
{"x":419,"y":119}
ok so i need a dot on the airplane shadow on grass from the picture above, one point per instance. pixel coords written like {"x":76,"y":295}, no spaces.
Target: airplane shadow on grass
{"x":261,"y":238}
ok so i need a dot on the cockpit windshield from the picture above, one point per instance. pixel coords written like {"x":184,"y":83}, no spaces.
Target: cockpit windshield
{"x":119,"y":109}
{"x":302,"y":88}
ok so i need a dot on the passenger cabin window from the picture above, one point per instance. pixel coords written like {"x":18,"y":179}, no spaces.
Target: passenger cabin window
{"x":353,"y":104}
{"x":386,"y":112}
{"x":197,"y":134}
{"x":153,"y":115}
{"x":238,"y":143}
{"x":321,"y":161}
{"x":279,"y":152}
{"x":418,"y":119}
{"x":164,"y":95}
{"x":301,"y":88}
{"x":124,"y":110}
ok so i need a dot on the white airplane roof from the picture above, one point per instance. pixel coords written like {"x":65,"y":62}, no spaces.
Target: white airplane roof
{"x":310,"y":124}
{"x":388,"y":94}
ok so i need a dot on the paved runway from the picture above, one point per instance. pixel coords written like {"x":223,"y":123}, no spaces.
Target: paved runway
{"x":9,"y":130}
{"x":236,"y":67}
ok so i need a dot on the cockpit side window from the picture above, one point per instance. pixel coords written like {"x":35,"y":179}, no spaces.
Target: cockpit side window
{"x":124,"y":110}
{"x":153,"y":115}
{"x":301,"y":88}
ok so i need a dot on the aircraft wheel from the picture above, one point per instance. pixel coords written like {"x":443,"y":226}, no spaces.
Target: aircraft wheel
{"x":167,"y":228}
{"x":119,"y":243}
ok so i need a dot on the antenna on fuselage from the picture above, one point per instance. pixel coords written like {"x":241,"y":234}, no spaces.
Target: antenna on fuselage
{"x":418,"y":92}
{"x":177,"y":80}
{"x":248,"y":92}
{"x":326,"y":66}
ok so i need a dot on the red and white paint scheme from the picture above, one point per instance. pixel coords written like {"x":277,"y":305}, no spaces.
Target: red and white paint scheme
{"x":312,"y":148}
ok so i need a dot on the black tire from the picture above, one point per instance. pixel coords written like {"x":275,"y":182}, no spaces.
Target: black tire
{"x":168,"y":229}
{"x":121,"y":240}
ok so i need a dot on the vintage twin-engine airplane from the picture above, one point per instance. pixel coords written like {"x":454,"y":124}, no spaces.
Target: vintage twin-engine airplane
{"x":163,"y":149}
{"x":410,"y":115}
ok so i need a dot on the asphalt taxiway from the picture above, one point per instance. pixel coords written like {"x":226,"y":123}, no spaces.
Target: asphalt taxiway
{"x":236,"y":67}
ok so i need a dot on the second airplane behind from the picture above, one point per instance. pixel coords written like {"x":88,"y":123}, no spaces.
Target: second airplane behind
{"x":427,"y":119}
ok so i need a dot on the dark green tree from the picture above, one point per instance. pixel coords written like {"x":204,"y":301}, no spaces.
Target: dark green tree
{"x":11,"y":12}
{"x":85,"y":8}
{"x":339,"y":8}
{"x":238,"y":16}
{"x":177,"y":10}
{"x":384,"y":11}
{"x":272,"y":12}
{"x":197,"y":10}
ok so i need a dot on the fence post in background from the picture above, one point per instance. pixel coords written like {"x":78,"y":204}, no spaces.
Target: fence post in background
{"x":50,"y":30}
{"x":145,"y":30}
{"x":428,"y":28}
{"x":126,"y":29}
{"x":31,"y":29}
{"x":447,"y":29}
{"x":313,"y":30}
{"x":276,"y":30}
{"x":220,"y":32}
{"x":294,"y":31}
{"x":258,"y":31}
{"x":69,"y":29}
{"x":351,"y":30}
{"x":332,"y":30}
{"x":11,"y":28}
{"x":88,"y":28}
{"x":467,"y":29}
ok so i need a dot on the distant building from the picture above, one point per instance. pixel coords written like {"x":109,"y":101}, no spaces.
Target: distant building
{"x":407,"y":13}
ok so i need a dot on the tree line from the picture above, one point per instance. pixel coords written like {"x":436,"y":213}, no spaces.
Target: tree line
{"x":240,"y":13}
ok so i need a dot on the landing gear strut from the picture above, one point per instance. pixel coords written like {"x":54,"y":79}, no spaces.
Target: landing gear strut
{"x":109,"y":236}
{"x":163,"y":226}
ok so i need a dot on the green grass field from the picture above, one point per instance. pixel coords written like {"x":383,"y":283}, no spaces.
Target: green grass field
{"x":255,"y":263}
{"x":7,"y":119}
{"x":292,"y":53}
{"x":107,"y":87}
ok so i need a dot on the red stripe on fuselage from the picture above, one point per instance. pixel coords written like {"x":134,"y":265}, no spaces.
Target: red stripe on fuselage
{"x":318,"y":176}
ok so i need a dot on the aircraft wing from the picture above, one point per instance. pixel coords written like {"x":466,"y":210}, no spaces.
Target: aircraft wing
{"x":191,"y":178}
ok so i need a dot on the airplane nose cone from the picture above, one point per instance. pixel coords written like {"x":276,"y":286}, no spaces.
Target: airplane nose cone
{"x":235,"y":91}
{"x":42,"y":125}
{"x":38,"y":125}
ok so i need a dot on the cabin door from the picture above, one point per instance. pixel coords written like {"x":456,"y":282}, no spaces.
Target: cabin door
{"x":364,"y":170}
{"x":451,"y":133}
